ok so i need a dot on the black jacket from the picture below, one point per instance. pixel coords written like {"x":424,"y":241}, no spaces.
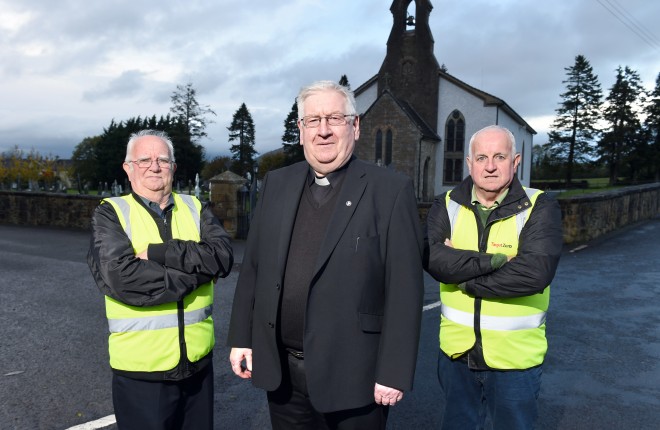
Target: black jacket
{"x":365,"y":302}
{"x":530,"y":272}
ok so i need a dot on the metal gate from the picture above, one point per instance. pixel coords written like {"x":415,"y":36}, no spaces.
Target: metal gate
{"x":246,"y":198}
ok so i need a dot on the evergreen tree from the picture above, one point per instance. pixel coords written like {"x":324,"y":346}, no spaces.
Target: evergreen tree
{"x":544,"y":164}
{"x":106,"y":153}
{"x":652,"y":126}
{"x":344,"y":81}
{"x":216,"y":166}
{"x":574,"y":129}
{"x":623,"y":133}
{"x":110,"y":152}
{"x":293,"y":150}
{"x":189,"y":112}
{"x":188,"y":154}
{"x":243,"y":152}
{"x":186,"y":128}
{"x":270,"y":161}
{"x":85,"y":165}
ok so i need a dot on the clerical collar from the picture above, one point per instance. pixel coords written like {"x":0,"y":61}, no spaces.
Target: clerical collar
{"x":332,"y":178}
{"x":322,"y":181}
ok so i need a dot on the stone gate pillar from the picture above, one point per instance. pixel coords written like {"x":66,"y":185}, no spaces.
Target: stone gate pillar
{"x":223,"y":196}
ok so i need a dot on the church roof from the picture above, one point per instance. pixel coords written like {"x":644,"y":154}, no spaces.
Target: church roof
{"x":489,"y":99}
{"x":359,"y":90}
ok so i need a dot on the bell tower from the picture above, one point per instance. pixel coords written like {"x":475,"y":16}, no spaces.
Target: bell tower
{"x":410,"y":69}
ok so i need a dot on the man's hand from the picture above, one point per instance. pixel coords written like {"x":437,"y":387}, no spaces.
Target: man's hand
{"x":386,"y":396}
{"x":143,"y":255}
{"x":448,"y":243}
{"x":236,"y":357}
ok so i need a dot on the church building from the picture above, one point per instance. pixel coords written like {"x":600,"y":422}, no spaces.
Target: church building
{"x":418,"y":119}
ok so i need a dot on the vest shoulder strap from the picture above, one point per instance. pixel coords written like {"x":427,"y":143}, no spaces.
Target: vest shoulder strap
{"x":189,"y":201}
{"x":522,"y":217}
{"x":452,"y":212}
{"x":123,"y":209}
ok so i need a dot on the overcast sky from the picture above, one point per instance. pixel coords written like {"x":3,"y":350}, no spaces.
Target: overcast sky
{"x":68,"y":67}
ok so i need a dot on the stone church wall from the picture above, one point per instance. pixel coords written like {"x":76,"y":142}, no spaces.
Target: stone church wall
{"x":386,"y":115}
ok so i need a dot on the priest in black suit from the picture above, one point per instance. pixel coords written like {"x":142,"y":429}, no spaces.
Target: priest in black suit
{"x":327,"y":308}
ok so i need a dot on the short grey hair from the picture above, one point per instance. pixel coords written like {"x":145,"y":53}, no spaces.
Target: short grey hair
{"x":510,"y":137}
{"x":142,"y":133}
{"x":319,"y":86}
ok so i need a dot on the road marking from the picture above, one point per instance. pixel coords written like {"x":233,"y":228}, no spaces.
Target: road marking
{"x":431,"y":306}
{"x":98,"y":424}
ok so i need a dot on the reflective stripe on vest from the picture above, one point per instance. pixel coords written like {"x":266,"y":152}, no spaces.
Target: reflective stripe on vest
{"x":188,"y":200}
{"x":512,"y":329}
{"x":159,"y":321}
{"x":147,"y":339}
{"x":490,"y":322}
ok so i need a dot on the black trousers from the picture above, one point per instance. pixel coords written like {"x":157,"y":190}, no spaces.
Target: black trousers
{"x":164,"y":405}
{"x":291,"y":409}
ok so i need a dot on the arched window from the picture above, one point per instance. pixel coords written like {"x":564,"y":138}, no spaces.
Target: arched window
{"x":454,"y":147}
{"x":425,"y":181}
{"x":388,"y":147}
{"x":379,"y":147}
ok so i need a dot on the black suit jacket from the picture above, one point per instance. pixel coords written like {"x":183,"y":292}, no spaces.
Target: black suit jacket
{"x":365,"y":302}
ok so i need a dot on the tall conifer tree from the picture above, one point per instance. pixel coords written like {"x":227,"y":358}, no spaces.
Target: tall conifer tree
{"x":624,"y":128}
{"x":344,"y":81}
{"x":241,"y":131}
{"x":652,"y":125}
{"x":293,"y":150}
{"x":574,"y":129}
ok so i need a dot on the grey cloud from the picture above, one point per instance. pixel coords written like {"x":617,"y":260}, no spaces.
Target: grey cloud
{"x":128,"y":84}
{"x":261,"y":52}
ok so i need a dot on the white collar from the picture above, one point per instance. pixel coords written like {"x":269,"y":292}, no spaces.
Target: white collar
{"x":321,"y":181}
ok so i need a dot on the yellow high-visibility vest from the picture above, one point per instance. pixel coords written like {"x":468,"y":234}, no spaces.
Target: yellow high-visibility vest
{"x":512,"y":329}
{"x":146,"y":339}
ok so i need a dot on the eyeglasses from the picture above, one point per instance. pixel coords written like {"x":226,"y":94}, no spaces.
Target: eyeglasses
{"x":334,"y":119}
{"x":145,"y":163}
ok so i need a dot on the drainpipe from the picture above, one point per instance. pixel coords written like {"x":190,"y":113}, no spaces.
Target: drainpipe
{"x":419,"y":169}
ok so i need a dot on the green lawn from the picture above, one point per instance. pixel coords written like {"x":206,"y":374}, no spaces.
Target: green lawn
{"x":595,"y":185}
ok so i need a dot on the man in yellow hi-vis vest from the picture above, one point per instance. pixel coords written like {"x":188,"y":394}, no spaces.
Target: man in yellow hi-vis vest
{"x":494,"y":245}
{"x":155,"y":255}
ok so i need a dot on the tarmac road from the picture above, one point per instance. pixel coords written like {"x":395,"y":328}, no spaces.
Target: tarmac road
{"x":602,"y":369}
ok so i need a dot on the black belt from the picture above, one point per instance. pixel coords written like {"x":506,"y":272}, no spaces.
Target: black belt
{"x":294,"y":353}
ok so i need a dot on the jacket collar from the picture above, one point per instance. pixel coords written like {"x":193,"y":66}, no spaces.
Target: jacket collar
{"x":513,"y":203}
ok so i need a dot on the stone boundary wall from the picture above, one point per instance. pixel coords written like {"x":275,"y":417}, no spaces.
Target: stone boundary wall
{"x":47,"y":209}
{"x":591,"y":215}
{"x":584,"y":217}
